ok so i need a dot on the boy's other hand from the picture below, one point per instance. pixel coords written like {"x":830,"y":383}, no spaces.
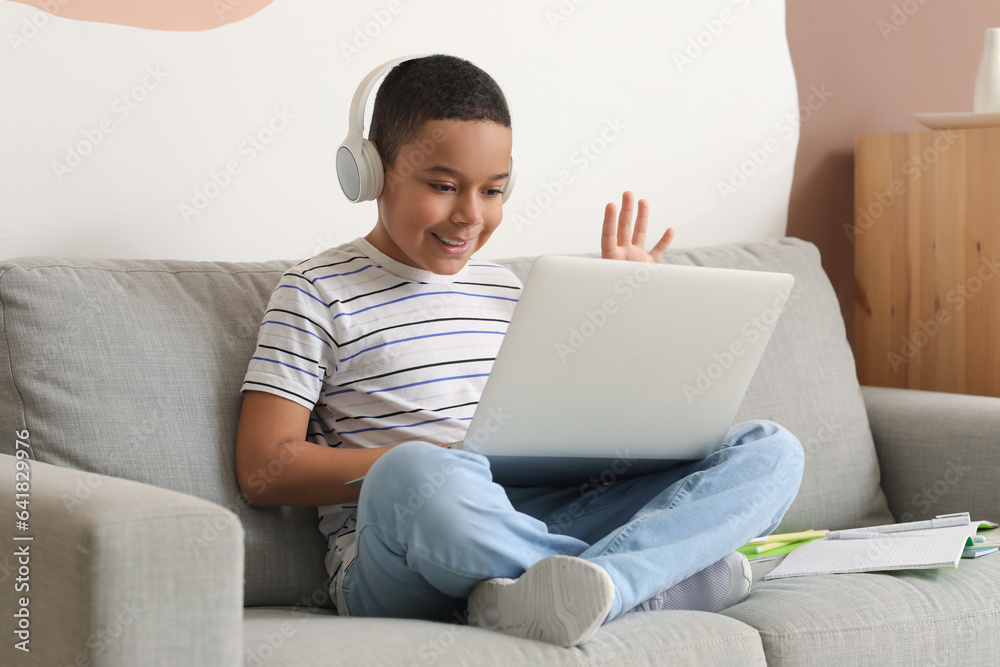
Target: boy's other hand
{"x":626,"y":242}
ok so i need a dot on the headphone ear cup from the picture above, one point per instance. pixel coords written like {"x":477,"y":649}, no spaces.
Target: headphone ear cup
{"x":359,"y":169}
{"x":374,"y":179}
{"x":351,"y":172}
{"x":509,"y":185}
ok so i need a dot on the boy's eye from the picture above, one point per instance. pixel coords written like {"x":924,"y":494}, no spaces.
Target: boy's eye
{"x":442,"y":187}
{"x":493,"y":192}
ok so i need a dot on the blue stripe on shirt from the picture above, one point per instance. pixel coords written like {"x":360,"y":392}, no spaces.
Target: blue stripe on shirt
{"x":414,"y":296}
{"x":337,"y":275}
{"x":342,"y":526}
{"x":403,"y":340}
{"x":281,"y":363}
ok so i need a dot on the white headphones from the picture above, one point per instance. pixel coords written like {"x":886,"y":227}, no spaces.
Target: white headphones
{"x":359,"y":167}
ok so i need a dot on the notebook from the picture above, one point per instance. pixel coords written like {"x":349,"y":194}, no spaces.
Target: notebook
{"x":612,"y":368}
{"x":916,"y":549}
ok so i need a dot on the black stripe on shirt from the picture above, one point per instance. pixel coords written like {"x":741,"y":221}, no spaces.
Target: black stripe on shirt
{"x":331,"y":304}
{"x":416,"y":322}
{"x":378,"y":291}
{"x":308,"y":319}
{"x":460,"y":282}
{"x":415,"y":368}
{"x":282,"y":389}
{"x":408,"y":412}
{"x":346,"y":261}
{"x":300,"y":356}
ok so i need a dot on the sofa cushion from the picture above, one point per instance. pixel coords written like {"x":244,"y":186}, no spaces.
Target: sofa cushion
{"x":133,"y":369}
{"x":908,"y":617}
{"x":292,"y":638}
{"x":806,"y":382}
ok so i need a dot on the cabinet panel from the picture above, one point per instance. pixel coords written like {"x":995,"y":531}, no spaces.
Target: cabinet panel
{"x":927,"y":260}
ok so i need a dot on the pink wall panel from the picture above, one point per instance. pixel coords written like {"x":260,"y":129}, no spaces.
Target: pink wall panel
{"x":876,"y":62}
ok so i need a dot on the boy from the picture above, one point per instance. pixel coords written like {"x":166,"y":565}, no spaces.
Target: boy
{"x":379,"y":349}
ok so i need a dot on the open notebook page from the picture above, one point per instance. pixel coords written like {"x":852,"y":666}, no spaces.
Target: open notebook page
{"x":918,"y":549}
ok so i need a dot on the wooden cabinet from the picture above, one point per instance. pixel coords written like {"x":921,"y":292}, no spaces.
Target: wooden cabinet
{"x":926,"y":239}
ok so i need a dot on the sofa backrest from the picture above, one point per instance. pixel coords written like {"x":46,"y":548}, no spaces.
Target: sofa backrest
{"x":133,"y":369}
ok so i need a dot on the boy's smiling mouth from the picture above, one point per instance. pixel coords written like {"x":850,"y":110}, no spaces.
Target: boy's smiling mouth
{"x":452,"y":244}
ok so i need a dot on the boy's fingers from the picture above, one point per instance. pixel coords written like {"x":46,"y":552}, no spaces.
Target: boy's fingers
{"x":608,"y":232}
{"x":625,"y":219}
{"x":641,"y":223}
{"x":661,"y":246}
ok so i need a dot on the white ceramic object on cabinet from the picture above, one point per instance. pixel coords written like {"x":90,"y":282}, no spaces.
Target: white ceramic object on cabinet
{"x":961,"y":120}
{"x":987,"y":93}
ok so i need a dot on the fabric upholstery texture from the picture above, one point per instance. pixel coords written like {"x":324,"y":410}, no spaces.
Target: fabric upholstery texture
{"x":291,"y":638}
{"x":907,"y":617}
{"x":120,"y":573}
{"x":943,"y":449}
{"x":133,"y":369}
{"x":130,"y":370}
{"x":124,"y":347}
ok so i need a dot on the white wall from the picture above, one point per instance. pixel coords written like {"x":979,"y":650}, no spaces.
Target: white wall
{"x":597,"y":94}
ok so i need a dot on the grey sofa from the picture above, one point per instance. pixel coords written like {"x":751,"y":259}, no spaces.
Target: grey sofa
{"x":120,"y":387}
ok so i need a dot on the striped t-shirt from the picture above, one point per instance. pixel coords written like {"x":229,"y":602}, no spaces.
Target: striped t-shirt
{"x":381,"y":353}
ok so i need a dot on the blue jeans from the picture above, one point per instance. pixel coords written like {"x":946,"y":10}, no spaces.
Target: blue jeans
{"x":431,"y":522}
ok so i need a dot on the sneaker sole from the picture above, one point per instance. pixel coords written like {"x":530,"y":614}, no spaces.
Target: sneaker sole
{"x":748,"y":575}
{"x":559,"y":600}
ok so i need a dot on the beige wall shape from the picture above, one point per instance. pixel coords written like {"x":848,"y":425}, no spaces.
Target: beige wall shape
{"x":153,"y":14}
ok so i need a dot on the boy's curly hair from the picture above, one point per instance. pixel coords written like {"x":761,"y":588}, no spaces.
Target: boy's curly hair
{"x":438,"y":87}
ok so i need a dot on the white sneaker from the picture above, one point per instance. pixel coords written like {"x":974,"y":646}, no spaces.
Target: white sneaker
{"x":560,"y":600}
{"x":719,"y":586}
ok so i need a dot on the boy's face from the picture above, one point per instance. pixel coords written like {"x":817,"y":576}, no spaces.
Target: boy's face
{"x":442,"y":199}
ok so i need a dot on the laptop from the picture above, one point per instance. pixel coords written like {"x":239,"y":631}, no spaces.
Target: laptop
{"x":612,"y":368}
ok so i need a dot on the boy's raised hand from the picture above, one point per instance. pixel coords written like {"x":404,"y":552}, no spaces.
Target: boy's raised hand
{"x":626,"y":243}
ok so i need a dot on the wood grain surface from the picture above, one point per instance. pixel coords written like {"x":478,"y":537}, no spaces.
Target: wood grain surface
{"x":926,"y":237}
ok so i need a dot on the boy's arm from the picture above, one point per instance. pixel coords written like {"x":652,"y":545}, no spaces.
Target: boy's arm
{"x":276,"y":465}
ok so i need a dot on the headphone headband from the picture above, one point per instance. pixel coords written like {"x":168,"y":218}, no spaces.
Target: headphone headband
{"x":356,"y":119}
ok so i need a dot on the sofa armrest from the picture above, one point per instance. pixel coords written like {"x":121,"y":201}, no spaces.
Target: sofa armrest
{"x":938,"y":452}
{"x":116,"y":572}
